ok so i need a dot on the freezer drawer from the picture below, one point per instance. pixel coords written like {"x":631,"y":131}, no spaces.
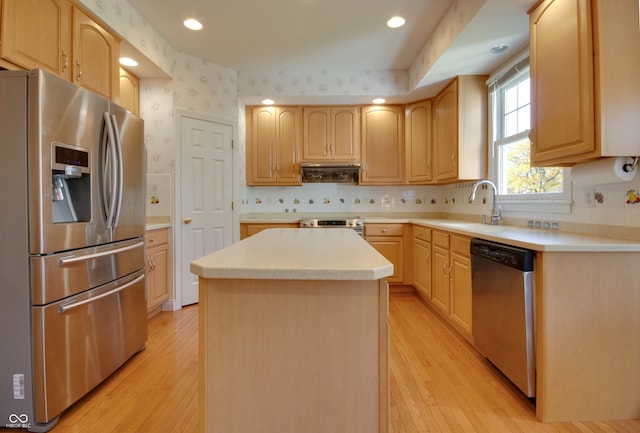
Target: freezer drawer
{"x":58,"y":276}
{"x":79,"y":341}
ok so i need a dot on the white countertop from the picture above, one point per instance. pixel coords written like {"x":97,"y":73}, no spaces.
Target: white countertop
{"x":524,"y":237}
{"x":296,"y":254}
{"x":534,"y":239}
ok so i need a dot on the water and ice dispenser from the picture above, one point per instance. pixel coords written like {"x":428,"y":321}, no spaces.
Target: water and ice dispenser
{"x":70,"y":184}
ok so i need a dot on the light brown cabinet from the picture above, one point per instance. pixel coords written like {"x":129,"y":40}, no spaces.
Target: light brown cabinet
{"x":418,"y":143}
{"x":273,"y":146}
{"x":382,"y":145}
{"x":129,"y":91}
{"x":422,"y":261}
{"x":331,"y":133}
{"x":460,"y":130}
{"x":584,"y":80}
{"x":250,"y":229}
{"x":37,"y":34}
{"x":94,"y":63}
{"x":451,"y":290}
{"x":158,"y":275}
{"x":388,"y":240}
{"x":59,"y":37}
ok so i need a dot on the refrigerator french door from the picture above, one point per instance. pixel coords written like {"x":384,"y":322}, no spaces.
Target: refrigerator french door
{"x":73,"y":306}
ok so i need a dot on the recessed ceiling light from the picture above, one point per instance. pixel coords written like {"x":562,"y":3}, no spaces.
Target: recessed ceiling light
{"x":193,"y":24}
{"x":379,"y":101}
{"x":268,"y":101}
{"x":128,"y":61}
{"x":497,"y":49}
{"x":395,"y":22}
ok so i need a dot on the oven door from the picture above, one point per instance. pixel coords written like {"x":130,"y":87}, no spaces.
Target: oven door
{"x":79,"y":341}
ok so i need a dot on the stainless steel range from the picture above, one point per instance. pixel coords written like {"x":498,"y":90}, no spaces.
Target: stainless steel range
{"x":356,"y":224}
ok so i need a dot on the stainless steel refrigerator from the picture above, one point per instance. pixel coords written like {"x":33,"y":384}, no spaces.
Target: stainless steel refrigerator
{"x":72,"y":268}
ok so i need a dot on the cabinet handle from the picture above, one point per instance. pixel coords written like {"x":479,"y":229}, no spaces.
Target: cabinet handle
{"x":453,"y":159}
{"x":450,"y":273}
{"x":428,"y":259}
{"x":444,"y":269}
{"x":79,"y":71}
{"x":66,"y":61}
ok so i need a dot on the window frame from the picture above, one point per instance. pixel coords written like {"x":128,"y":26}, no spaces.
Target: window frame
{"x":541,"y":202}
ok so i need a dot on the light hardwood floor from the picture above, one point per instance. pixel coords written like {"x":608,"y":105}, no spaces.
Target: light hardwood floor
{"x":439,"y":384}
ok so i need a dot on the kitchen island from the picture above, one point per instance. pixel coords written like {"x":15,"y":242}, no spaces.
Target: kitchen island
{"x":294,"y":334}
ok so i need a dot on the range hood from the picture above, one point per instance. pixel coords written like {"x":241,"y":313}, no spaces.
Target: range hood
{"x":330,"y":172}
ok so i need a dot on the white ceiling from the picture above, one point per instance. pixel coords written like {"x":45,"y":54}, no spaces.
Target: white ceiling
{"x":315,"y":35}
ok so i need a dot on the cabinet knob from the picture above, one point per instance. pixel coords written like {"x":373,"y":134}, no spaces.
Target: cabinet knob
{"x":187,"y":220}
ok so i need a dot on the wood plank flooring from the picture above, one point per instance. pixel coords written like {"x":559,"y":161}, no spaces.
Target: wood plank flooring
{"x":439,"y":384}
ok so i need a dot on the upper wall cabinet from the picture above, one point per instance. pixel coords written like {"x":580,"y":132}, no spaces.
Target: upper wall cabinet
{"x":585,"y":58}
{"x":95,"y":57}
{"x":37,"y":34}
{"x":57,"y":36}
{"x":331,"y":133}
{"x":418,"y":143}
{"x":129,"y":91}
{"x":382,"y":145}
{"x":460,"y":130}
{"x":273,"y":146}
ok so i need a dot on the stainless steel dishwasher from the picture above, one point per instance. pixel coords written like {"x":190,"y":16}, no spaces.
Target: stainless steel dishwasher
{"x":503,"y":309}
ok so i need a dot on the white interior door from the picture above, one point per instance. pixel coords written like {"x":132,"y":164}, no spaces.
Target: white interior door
{"x":206,"y":195}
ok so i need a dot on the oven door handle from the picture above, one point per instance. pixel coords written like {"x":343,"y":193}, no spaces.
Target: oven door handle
{"x":68,"y":260}
{"x":64,"y":308}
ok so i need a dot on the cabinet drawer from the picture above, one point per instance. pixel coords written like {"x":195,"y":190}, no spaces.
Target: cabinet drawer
{"x":157,"y":237}
{"x":460,"y":245}
{"x":441,"y":239}
{"x":383,"y":229}
{"x":422,"y":233}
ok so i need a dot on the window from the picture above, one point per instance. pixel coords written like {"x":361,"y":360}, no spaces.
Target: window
{"x":516,"y":180}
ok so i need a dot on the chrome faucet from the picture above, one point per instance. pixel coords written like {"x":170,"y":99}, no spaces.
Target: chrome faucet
{"x":496,"y":214}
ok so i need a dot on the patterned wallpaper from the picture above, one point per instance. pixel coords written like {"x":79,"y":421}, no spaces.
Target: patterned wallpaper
{"x":322,"y":83}
{"x":211,"y":90}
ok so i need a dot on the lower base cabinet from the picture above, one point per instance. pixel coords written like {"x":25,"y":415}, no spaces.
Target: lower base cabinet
{"x":157,"y":245}
{"x":451,"y":278}
{"x":388,"y":240}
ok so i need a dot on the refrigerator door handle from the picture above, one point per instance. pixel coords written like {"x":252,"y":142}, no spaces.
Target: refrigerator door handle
{"x":66,"y":307}
{"x":67,"y":260}
{"x":110,"y":171}
{"x":118,"y":169}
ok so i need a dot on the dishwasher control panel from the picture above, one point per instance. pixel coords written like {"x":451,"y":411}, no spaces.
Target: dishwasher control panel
{"x":507,"y":255}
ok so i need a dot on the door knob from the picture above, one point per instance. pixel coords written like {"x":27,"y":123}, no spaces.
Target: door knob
{"x":187,"y":220}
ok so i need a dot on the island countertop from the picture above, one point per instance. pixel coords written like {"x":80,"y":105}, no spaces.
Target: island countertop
{"x":296,"y":254}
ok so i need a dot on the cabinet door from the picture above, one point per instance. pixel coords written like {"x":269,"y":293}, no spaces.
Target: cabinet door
{"x":37,"y":34}
{"x":129,"y":92}
{"x":422,"y":267}
{"x":261,"y":145}
{"x":562,"y":82}
{"x":288,"y":146}
{"x":344,"y":142}
{"x":446,"y":133}
{"x":95,"y":57}
{"x":391,"y":248}
{"x":461,"y":290}
{"x":418,"y":143}
{"x":440,"y":288}
{"x":158,"y":275}
{"x":316,"y":129}
{"x":382,"y":145}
